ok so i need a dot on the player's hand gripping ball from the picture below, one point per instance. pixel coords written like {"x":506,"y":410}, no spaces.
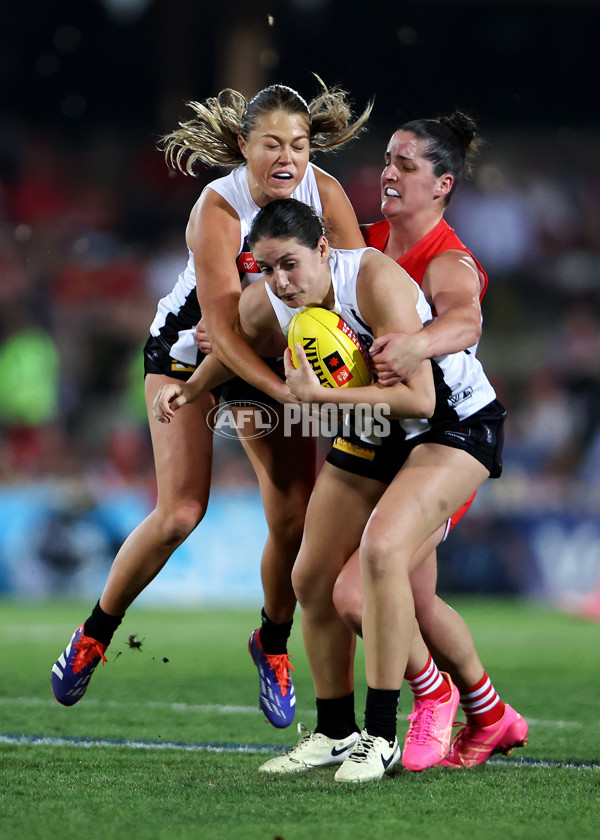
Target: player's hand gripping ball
{"x":334,"y":351}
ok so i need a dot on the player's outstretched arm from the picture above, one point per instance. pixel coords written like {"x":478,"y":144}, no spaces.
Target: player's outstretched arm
{"x":452,"y":284}
{"x":213,"y":235}
{"x":208,"y":375}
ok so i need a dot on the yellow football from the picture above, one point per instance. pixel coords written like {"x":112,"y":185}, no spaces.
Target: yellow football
{"x":334,"y":351}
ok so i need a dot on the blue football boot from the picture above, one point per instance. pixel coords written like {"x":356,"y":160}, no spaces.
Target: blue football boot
{"x":277,"y":698}
{"x":73,"y":669}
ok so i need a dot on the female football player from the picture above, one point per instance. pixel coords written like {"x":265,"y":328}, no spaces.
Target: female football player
{"x":425,"y":160}
{"x":392,"y":494}
{"x":268,"y":141}
{"x":371,"y":293}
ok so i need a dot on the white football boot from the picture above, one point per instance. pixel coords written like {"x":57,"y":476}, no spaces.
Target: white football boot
{"x":312,"y":750}
{"x":369,"y":760}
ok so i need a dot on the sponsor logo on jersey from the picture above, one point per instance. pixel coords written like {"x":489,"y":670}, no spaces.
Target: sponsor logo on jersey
{"x":359,"y":342}
{"x":247,"y":264}
{"x":460,"y":397}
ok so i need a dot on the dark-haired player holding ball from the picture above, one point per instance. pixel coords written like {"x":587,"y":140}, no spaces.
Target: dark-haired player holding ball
{"x":399,"y":488}
{"x":425,"y":160}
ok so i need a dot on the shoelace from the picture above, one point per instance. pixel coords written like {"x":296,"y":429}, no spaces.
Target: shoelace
{"x":87,"y":649}
{"x":421,"y":724}
{"x":361,"y":750}
{"x":281,"y":666}
{"x":461,"y":734}
{"x":308,"y":733}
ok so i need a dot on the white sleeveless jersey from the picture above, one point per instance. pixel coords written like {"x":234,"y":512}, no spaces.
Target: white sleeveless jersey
{"x":179,"y":312}
{"x":461,"y":386}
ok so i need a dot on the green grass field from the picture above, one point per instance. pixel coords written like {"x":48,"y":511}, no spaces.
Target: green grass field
{"x":169,"y":749}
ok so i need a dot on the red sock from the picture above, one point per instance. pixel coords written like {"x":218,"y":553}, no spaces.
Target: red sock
{"x":481,"y":703}
{"x":428,"y":684}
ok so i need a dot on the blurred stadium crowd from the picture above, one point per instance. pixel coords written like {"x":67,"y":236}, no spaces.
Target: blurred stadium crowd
{"x":92,"y":230}
{"x":92,"y":234}
{"x":91,"y":237}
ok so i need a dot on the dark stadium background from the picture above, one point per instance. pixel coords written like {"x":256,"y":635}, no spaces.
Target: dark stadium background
{"x":521,"y":65}
{"x":86,"y":89}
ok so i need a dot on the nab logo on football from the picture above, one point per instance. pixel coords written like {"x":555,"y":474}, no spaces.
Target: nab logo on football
{"x":247,"y":421}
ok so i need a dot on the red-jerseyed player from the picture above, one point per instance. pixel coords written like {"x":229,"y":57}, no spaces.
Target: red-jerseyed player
{"x":424,"y":162}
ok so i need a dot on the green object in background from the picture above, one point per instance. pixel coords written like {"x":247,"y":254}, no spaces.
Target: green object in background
{"x":134,"y":398}
{"x":29,"y":377}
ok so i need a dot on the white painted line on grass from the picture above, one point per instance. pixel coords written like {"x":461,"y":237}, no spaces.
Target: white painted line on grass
{"x":210,"y":708}
{"x":252,"y":749}
{"x":112,"y":743}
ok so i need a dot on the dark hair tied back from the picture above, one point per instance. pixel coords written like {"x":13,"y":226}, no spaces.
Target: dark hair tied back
{"x":452,"y":144}
{"x":465,"y":127}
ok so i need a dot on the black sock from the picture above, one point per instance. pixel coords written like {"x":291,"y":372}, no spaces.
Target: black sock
{"x":273,"y":637}
{"x":381,"y":712}
{"x":335,"y":718}
{"x":100,"y":625}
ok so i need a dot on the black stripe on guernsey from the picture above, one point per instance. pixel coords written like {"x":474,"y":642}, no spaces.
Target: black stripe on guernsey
{"x":188,"y":315}
{"x":366,"y":339}
{"x":443,"y":412}
{"x":360,"y":320}
{"x":185,"y":318}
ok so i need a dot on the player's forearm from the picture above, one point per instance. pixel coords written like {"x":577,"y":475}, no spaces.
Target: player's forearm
{"x":453,"y":331}
{"x":209,"y":374}
{"x":238,"y":356}
{"x":401,"y":401}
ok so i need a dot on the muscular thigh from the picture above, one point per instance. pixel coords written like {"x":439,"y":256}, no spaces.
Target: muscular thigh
{"x":433,"y":483}
{"x":339,"y":508}
{"x":182,"y":448}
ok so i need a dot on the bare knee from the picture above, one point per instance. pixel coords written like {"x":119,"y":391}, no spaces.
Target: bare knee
{"x":377,"y":558}
{"x":380,"y":553}
{"x":348,"y":602}
{"x":178,"y":523}
{"x":313,"y":590}
{"x":286,"y":527}
{"x":302,"y":584}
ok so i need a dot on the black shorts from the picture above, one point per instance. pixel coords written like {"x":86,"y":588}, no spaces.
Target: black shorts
{"x":237,"y":390}
{"x":481,"y":435}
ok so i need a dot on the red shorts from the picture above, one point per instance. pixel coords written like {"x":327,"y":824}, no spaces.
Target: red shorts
{"x":456,"y":517}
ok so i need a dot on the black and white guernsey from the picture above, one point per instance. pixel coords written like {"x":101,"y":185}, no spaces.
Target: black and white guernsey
{"x":461,"y":385}
{"x":179,"y":312}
